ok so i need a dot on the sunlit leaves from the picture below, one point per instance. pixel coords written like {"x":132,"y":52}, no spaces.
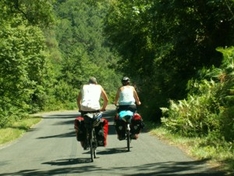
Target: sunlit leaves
{"x":83,"y":45}
{"x":22,"y":59}
{"x":208,"y":109}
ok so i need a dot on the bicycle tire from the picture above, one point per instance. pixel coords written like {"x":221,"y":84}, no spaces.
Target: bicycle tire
{"x":93,"y":144}
{"x":128,"y":138}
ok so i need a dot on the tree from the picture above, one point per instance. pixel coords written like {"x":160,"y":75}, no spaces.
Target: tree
{"x":23,"y":61}
{"x":167,"y":42}
{"x":83,"y":47}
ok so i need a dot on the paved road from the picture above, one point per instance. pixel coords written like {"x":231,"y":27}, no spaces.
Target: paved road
{"x":50,"y":148}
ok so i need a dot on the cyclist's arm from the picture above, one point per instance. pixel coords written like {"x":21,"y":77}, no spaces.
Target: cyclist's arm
{"x":105,"y":99}
{"x":137,"y":99}
{"x":117,"y":97}
{"x":78,"y":100}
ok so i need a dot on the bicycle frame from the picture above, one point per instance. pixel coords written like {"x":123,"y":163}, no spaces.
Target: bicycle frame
{"x":126,"y":116}
{"x":127,"y":120}
{"x":91,"y":121}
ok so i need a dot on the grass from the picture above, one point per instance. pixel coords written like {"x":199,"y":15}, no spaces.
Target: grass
{"x":220,"y":156}
{"x":17,"y":129}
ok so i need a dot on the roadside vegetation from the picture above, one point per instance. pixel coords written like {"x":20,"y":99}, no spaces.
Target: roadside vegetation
{"x":205,"y":117}
{"x":15,"y":130}
{"x":179,"y":55}
{"x":196,"y":148}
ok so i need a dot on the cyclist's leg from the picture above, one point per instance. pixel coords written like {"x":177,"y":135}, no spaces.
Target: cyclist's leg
{"x":132,"y":108}
{"x":119,"y":124}
{"x":84,"y":142}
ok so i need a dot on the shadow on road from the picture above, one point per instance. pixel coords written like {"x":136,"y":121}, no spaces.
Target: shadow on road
{"x":73,"y":114}
{"x":69,"y":119}
{"x":77,"y":166}
{"x":63,"y":135}
{"x":69,"y":161}
{"x":110,"y":151}
{"x":190,"y":168}
{"x":61,"y":116}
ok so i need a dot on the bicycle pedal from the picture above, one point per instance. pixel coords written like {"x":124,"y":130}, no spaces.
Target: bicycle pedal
{"x":100,"y":143}
{"x":120,"y":127}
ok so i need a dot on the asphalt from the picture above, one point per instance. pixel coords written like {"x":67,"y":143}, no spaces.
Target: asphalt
{"x":50,"y":148}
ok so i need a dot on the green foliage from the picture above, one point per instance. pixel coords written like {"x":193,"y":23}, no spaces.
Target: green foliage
{"x":165,"y":43}
{"x":209,"y":110}
{"x":33,"y":11}
{"x":22,"y":65}
{"x":22,"y":61}
{"x":227,"y":123}
{"x":43,"y":66}
{"x":83,"y":46}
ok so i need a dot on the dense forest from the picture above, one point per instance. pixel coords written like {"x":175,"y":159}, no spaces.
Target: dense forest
{"x":179,"y":54}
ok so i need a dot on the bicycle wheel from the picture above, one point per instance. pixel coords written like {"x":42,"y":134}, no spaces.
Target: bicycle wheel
{"x":93,"y":145}
{"x":128,"y":137}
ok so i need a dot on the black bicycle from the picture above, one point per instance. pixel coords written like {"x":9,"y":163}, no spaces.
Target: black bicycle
{"x":125,"y":117}
{"x":91,"y":121}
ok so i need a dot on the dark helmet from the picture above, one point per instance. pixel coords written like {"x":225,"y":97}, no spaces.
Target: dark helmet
{"x":125,"y":80}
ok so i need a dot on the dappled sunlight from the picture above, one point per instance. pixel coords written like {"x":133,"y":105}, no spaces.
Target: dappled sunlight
{"x":82,"y":166}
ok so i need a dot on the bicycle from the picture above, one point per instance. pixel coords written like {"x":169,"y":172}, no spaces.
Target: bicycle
{"x":126,"y":117}
{"x":92,"y":120}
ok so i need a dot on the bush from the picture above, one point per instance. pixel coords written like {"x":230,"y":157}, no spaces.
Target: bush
{"x":208,"y":109}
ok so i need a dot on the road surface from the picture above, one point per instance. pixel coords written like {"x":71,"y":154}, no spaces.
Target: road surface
{"x":50,"y":148}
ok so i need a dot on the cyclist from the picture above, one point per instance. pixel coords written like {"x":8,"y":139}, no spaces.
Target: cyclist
{"x":88,"y":100}
{"x":126,"y":99}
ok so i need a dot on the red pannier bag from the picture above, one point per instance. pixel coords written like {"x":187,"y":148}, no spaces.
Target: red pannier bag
{"x":80,"y":128}
{"x":101,"y":130}
{"x":136,"y":124}
{"x":119,"y":127}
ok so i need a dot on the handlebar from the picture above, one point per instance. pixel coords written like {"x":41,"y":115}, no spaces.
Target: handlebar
{"x":93,"y":118}
{"x":94,"y":115}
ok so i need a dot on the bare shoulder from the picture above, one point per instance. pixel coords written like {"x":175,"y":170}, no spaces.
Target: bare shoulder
{"x":121,"y":88}
{"x":100,"y":86}
{"x":132,"y":87}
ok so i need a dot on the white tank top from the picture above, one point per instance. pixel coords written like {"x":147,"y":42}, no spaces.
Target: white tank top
{"x":90,"y":97}
{"x":126,"y":96}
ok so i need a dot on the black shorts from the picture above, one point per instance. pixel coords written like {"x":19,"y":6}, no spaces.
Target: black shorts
{"x":132,"y":108}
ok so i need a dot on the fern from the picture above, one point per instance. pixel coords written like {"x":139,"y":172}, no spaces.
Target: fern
{"x":208,"y":109}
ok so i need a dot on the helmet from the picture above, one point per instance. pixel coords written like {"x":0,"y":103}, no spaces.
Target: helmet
{"x":125,"y":80}
{"x":92,"y":80}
